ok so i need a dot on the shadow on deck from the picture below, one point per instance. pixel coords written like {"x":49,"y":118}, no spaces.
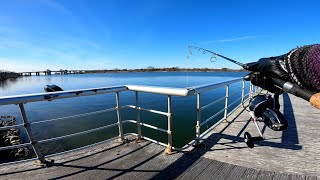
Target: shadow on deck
{"x":287,"y":155}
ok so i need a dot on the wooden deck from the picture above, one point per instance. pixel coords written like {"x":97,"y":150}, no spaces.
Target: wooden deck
{"x":295,"y":150}
{"x":292,"y":154}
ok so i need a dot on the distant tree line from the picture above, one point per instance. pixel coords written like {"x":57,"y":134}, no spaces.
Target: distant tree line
{"x":4,"y":75}
{"x":169,"y":69}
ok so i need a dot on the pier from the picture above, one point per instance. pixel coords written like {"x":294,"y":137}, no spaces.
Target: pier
{"x":220,"y":151}
{"x":50,"y":72}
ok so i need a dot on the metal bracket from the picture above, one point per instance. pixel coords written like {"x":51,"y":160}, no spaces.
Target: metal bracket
{"x":139,"y":140}
{"x":44,"y":163}
{"x":169,"y":150}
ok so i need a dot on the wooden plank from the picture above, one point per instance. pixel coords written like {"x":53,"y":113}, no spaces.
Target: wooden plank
{"x":210,"y":170}
{"x":312,"y":178}
{"x":265,"y":175}
{"x":297,"y":177}
{"x":153,"y":166}
{"x":195,"y":170}
{"x":236,"y":173}
{"x":250,"y":174}
{"x":223,"y":172}
{"x":281,"y":176}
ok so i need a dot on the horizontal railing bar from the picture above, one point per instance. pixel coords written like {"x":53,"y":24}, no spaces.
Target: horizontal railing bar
{"x":211,"y":128}
{"x":148,"y":110}
{"x":17,"y":162}
{"x":154,"y":141}
{"x":185,"y":146}
{"x":212,"y":103}
{"x":234,"y":102}
{"x":231,"y":94}
{"x":10,"y":127}
{"x":64,"y":152}
{"x":162,"y":90}
{"x":207,"y":87}
{"x":14,"y":146}
{"x":246,"y":94}
{"x":154,"y":111}
{"x":213,"y":116}
{"x":77,"y":134}
{"x":149,"y":126}
{"x":233,"y":110}
{"x":88,"y":146}
{"x":128,"y":106}
{"x":75,"y":116}
{"x":20,"y":99}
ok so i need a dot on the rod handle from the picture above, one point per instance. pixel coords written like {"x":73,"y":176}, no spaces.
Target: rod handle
{"x":315,"y":100}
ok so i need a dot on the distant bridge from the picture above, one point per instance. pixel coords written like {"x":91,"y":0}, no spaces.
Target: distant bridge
{"x":49,"y":72}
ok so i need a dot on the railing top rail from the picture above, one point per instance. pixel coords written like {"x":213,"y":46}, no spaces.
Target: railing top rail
{"x":207,"y":87}
{"x":162,"y":90}
{"x":188,"y":91}
{"x":18,"y":99}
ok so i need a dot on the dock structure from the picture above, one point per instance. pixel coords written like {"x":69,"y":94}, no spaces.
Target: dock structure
{"x":50,"y":72}
{"x":291,"y":154}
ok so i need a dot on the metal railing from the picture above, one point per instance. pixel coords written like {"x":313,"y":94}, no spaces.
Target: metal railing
{"x":169,"y":92}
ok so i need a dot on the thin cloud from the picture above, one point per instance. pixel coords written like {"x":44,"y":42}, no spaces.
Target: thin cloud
{"x":230,"y":40}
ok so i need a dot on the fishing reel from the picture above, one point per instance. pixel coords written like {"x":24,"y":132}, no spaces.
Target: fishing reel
{"x":265,"y":108}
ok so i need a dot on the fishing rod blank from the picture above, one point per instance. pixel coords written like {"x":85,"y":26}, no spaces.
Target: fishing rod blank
{"x":216,"y":54}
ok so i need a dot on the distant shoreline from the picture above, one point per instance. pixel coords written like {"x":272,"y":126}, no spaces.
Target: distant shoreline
{"x":173,"y":69}
{"x":8,"y":75}
{"x":116,"y":70}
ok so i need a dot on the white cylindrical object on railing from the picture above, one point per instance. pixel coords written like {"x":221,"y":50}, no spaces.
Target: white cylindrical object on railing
{"x":162,"y":90}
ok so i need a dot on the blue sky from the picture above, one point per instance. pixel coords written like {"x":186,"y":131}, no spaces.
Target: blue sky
{"x":94,"y":34}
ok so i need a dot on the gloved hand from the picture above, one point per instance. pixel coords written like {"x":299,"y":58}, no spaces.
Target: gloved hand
{"x":272,"y":66}
{"x":261,"y":80}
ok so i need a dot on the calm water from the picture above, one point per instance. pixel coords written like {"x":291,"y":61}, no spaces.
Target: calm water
{"x":184,"y":108}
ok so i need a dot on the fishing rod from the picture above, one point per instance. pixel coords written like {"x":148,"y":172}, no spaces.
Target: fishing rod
{"x":286,"y":86}
{"x":216,"y":54}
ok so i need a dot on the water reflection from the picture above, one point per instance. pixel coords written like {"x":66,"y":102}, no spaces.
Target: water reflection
{"x":7,"y":83}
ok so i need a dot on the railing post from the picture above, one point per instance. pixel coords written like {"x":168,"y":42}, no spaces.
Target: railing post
{"x":119,"y":117}
{"x":41,"y":160}
{"x":226,"y":104}
{"x":198,"y":120}
{"x":138,"y":118}
{"x":250,"y":91}
{"x":169,"y":146}
{"x":242,"y":92}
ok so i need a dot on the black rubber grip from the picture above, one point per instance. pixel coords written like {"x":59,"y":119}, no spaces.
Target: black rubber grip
{"x":304,"y":94}
{"x":295,"y":90}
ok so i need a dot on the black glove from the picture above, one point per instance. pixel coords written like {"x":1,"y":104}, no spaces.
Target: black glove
{"x":272,"y":66}
{"x":262,"y":81}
